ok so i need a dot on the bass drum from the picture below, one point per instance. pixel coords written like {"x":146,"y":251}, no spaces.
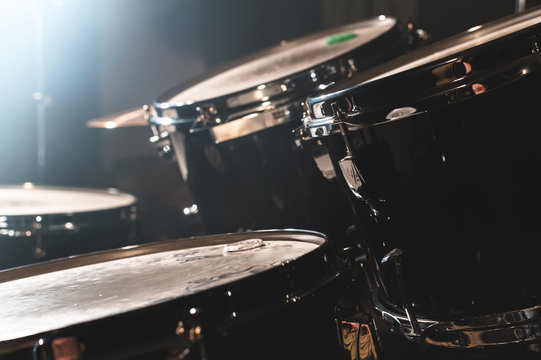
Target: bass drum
{"x":232,"y":133}
{"x":39,"y":223}
{"x":264,"y":295}
{"x":439,"y":148}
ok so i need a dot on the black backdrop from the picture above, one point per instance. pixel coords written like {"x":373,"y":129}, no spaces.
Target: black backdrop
{"x":100,"y":56}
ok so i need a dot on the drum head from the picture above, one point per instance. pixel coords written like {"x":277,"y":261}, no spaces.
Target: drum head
{"x":21,"y":201}
{"x":92,"y":287}
{"x":283,"y":61}
{"x":468,"y":64}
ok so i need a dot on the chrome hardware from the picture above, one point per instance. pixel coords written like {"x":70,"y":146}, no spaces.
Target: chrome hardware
{"x":339,"y":118}
{"x":160,"y":139}
{"x":394,"y":259}
{"x":162,"y":143}
{"x":401,"y":113}
{"x":511,"y":327}
{"x":191,"y":210}
{"x":319,"y":126}
{"x":351,"y":172}
{"x":206,"y":114}
{"x":496,"y":329}
{"x":352,"y":175}
{"x":169,"y":141}
{"x":398,"y":319}
{"x":248,"y":124}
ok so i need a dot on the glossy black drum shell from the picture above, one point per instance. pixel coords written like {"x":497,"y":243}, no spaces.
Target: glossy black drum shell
{"x":96,"y":236}
{"x":263,"y":179}
{"x":260,"y":181}
{"x":267,"y":324}
{"x":457,"y":189}
{"x":79,"y":230}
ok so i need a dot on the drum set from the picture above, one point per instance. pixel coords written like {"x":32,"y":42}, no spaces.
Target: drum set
{"x":367,"y":194}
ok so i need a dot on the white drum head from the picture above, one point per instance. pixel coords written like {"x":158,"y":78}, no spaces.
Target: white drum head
{"x":54,"y":300}
{"x":478,"y":35}
{"x":20,"y":201}
{"x":301,"y":54}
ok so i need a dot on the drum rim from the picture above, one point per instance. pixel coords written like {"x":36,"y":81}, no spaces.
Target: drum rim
{"x":163,"y":100}
{"x":185,"y":117}
{"x":364,"y":103}
{"x":464,"y":332}
{"x":183,"y":305}
{"x":25,"y":225}
{"x":101,"y":256}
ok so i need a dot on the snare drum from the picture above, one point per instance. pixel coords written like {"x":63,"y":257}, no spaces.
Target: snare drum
{"x":39,"y":223}
{"x":232,"y":132}
{"x":440,"y":150}
{"x":264,"y":295}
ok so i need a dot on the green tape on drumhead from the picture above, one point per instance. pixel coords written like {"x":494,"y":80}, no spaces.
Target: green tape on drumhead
{"x":338,"y":38}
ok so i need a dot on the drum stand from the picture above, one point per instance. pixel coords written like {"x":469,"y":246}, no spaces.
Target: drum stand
{"x":39,"y":96}
{"x":42,"y":103}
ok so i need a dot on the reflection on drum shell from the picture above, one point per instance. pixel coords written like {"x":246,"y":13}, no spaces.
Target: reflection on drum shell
{"x":261,"y":181}
{"x":33,"y":232}
{"x":457,"y":189}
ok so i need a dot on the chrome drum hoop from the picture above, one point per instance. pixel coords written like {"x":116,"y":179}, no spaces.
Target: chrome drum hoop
{"x":511,"y":327}
{"x":40,"y":223}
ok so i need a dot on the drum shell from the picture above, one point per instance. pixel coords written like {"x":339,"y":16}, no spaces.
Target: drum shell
{"x":263,"y":180}
{"x":456,"y":189}
{"x":92,"y":231}
{"x":256,"y":176}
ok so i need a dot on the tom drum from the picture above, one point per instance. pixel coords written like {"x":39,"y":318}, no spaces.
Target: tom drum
{"x":39,"y":223}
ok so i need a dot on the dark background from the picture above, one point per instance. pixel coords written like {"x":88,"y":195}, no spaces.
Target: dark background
{"x":103,"y":56}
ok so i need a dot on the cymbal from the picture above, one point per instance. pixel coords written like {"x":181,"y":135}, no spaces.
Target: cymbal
{"x":131,"y":117}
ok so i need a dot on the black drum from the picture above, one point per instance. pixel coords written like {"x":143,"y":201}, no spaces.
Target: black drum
{"x":264,"y":295}
{"x":439,"y":148}
{"x":39,"y":223}
{"x":232,"y":133}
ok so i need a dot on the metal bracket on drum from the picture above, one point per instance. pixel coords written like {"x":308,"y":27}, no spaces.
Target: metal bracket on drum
{"x":394,"y":259}
{"x":506,"y":328}
{"x":314,"y":128}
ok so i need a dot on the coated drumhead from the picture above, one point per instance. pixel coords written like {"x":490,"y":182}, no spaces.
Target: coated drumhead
{"x":477,"y":35}
{"x":286,"y":60}
{"x":437,"y":53}
{"x":20,"y":201}
{"x":44,"y":302}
